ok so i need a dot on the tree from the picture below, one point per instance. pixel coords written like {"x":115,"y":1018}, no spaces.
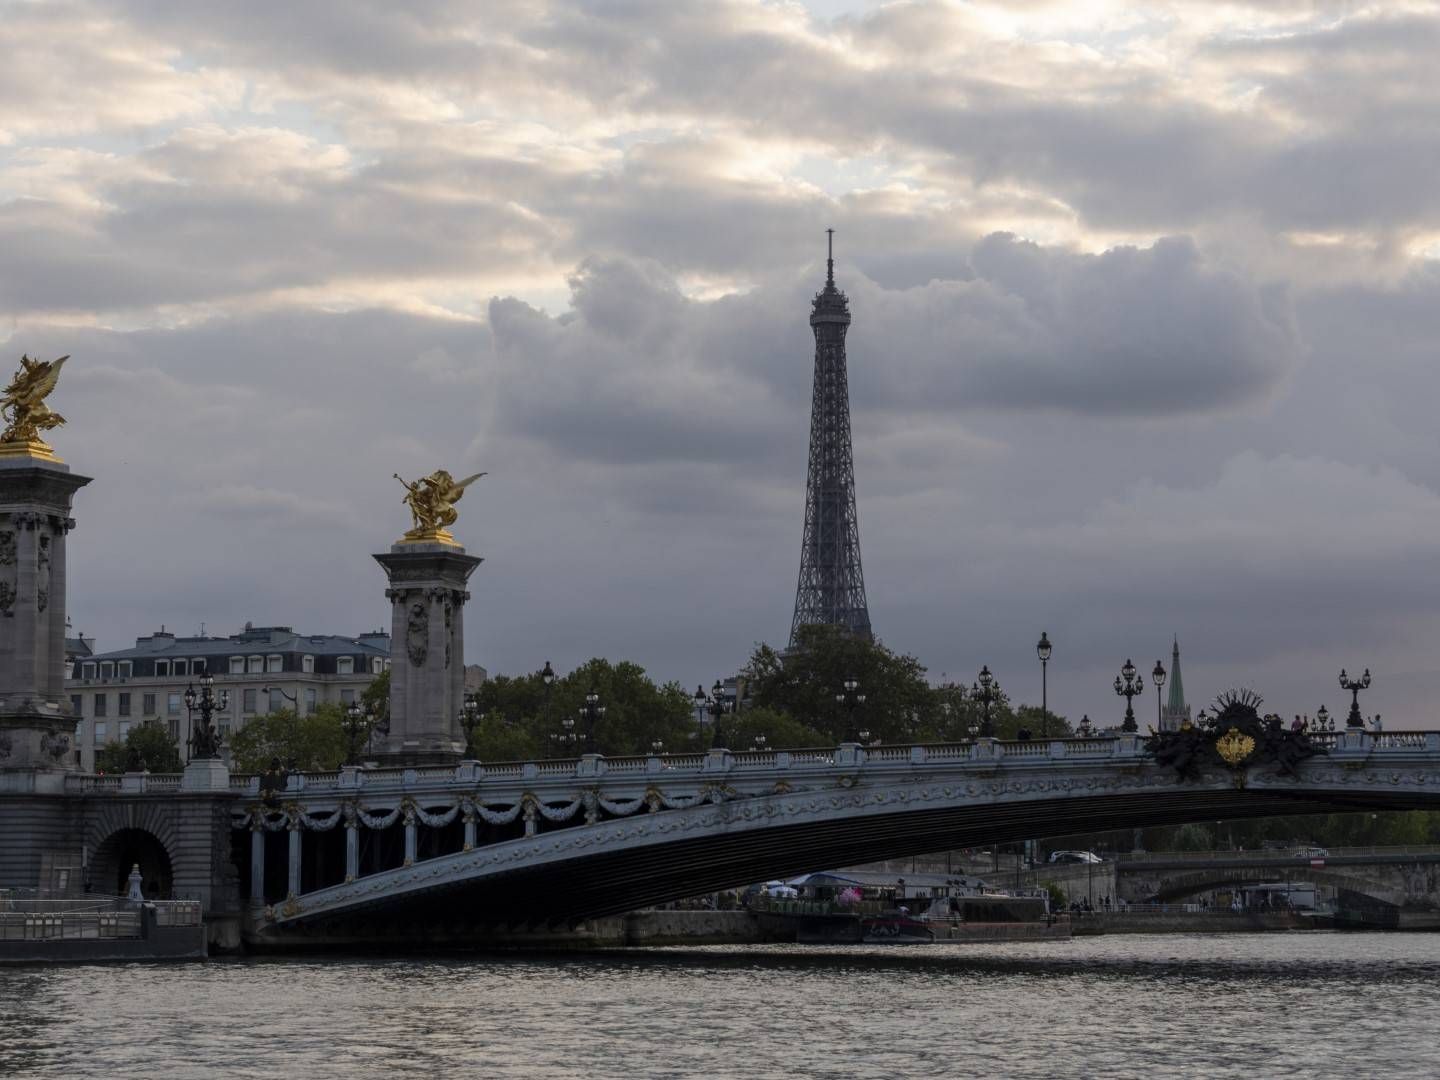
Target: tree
{"x":312,"y":743}
{"x":147,"y":747}
{"x":375,"y":699}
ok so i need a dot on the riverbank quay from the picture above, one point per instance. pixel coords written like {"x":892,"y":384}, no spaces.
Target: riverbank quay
{"x":101,"y":930}
{"x":1135,"y":920}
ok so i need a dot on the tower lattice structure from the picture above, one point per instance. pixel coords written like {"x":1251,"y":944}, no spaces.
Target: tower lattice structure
{"x":832,"y":586}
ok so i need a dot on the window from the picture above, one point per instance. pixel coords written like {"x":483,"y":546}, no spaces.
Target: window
{"x":347,"y":696}
{"x":181,"y":667}
{"x":162,"y":667}
{"x":107,"y":669}
{"x":99,"y":733}
{"x":172,"y":703}
{"x":274,"y":663}
{"x":123,"y":669}
{"x":89,"y":669}
{"x":198,"y":666}
{"x":345,"y":665}
{"x":307,"y":664}
{"x":309,"y":700}
{"x":124,"y":728}
{"x":224,"y":727}
{"x":249,"y":700}
{"x":122,"y":704}
{"x":100,"y":705}
{"x":376,"y":665}
{"x":174,"y":730}
{"x":76,"y":705}
{"x":147,"y":704}
{"x":277,"y":701}
{"x":237,"y":665}
{"x":255,"y":664}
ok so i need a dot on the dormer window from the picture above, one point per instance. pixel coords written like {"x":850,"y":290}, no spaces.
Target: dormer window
{"x":89,"y":669}
{"x":123,"y":669}
{"x":107,"y":669}
{"x":307,"y":664}
{"x":376,"y":665}
{"x":274,"y":663}
{"x":345,"y":665}
{"x":162,"y":667}
{"x":255,"y":665}
{"x":181,"y":667}
{"x":237,"y":665}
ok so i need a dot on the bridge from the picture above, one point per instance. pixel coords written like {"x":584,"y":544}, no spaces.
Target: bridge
{"x":374,"y":853}
{"x":1401,"y":876}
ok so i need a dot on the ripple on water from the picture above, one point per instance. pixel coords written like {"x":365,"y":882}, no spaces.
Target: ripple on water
{"x":1311,"y":1005}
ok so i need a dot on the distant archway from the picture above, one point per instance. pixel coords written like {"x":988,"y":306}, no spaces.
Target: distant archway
{"x":122,"y":851}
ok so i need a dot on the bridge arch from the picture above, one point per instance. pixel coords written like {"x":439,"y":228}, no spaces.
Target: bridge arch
{"x":122,"y":837}
{"x":1180,"y":886}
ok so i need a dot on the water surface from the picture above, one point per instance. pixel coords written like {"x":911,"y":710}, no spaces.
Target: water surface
{"x":1243,"y":1005}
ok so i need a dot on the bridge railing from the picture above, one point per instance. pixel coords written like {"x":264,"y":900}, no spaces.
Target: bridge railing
{"x":1298,"y":854}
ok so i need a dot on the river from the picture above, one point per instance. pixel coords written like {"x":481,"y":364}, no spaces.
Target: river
{"x":1244,"y":1005}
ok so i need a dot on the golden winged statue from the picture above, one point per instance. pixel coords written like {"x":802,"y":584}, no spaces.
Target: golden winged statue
{"x":432,"y":502}
{"x":23,"y":404}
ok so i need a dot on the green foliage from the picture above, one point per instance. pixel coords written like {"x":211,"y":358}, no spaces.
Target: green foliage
{"x":314,"y":743}
{"x":1058,"y":899}
{"x":519,"y":714}
{"x":900,"y":705}
{"x":375,"y":698}
{"x":147,"y":747}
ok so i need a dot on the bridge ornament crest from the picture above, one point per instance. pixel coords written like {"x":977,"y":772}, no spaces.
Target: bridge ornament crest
{"x":1237,"y":737}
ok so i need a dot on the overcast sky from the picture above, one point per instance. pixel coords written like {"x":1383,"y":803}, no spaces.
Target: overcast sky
{"x":1146,"y":306}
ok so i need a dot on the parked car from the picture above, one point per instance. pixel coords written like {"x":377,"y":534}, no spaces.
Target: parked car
{"x":1075,"y":857}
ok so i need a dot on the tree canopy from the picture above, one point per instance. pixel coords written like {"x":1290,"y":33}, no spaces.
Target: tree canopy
{"x":313,"y":743}
{"x":146,"y":747}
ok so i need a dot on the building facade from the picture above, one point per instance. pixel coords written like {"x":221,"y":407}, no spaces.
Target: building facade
{"x":263,"y":669}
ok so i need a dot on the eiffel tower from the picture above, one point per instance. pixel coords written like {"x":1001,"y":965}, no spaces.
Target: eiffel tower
{"x":832,"y":586}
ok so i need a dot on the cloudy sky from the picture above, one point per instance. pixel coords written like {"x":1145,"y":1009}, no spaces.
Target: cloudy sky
{"x":1146,"y":307}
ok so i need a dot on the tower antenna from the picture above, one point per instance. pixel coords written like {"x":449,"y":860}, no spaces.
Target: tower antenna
{"x":829,"y":256}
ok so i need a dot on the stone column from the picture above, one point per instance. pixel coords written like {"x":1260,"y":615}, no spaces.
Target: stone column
{"x":352,"y":845}
{"x":257,"y":861}
{"x":409,"y":836}
{"x":427,"y":648}
{"x":293,"y":889}
{"x":36,"y":724}
{"x":469,"y":816}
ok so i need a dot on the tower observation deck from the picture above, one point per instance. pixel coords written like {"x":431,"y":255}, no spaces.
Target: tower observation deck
{"x":831,"y":589}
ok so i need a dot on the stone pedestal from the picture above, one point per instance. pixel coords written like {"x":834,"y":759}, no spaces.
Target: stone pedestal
{"x":36,"y":725}
{"x":427,"y":652}
{"x":205,"y":774}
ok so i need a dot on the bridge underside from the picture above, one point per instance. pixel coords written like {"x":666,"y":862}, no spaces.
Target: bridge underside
{"x":466,"y":901}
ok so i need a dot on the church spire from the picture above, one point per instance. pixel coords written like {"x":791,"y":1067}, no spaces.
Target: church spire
{"x":1176,"y":712}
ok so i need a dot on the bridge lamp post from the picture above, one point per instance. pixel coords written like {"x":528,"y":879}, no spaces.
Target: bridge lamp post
{"x":1159,"y":676}
{"x":1355,"y":720}
{"x":1322,"y":719}
{"x":470,"y":720}
{"x":590,"y":712}
{"x":1084,"y":730}
{"x":850,"y":697}
{"x":1042,"y":650}
{"x":1127,"y":684}
{"x":760,"y":742}
{"x":718,"y":707}
{"x":547,"y":676}
{"x":986,"y":691}
{"x":355,"y":723}
{"x":205,"y":740}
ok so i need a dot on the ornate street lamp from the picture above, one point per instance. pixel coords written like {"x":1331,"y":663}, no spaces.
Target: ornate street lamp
{"x":987,"y":692}
{"x":850,"y":697}
{"x":1355,"y":720}
{"x":1322,"y":720}
{"x":718,"y":707}
{"x":547,"y":676}
{"x":205,"y":740}
{"x":1127,"y":684}
{"x":590,"y":712}
{"x":1159,"y":676}
{"x":1085,"y":730}
{"x":470,"y":720}
{"x":356,"y":724}
{"x":1042,"y":650}
{"x":760,"y":742}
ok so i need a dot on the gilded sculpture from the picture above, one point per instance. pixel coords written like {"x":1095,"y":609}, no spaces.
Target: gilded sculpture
{"x":24,"y":409}
{"x":432,"y":502}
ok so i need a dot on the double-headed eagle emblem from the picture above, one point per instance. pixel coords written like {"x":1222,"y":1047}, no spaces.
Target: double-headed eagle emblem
{"x":432,"y":502}
{"x":23,"y":404}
